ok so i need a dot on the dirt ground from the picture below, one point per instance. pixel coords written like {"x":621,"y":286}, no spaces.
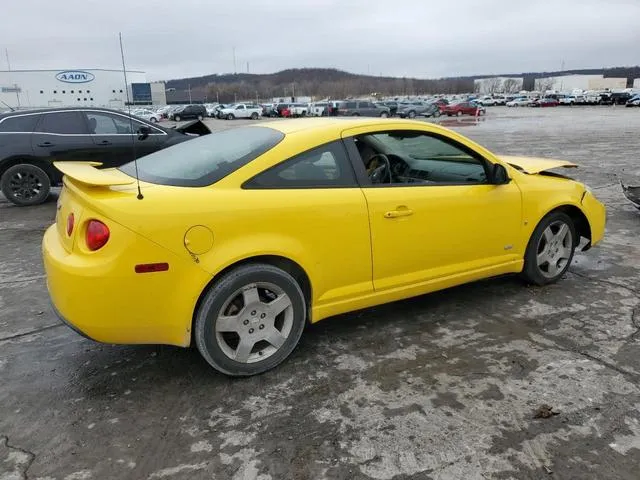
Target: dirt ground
{"x":444,"y":386}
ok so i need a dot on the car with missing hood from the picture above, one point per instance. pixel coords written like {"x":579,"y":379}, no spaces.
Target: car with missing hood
{"x":30,"y":141}
{"x":244,"y":236}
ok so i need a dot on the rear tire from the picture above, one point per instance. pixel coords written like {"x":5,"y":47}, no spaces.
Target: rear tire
{"x":254,"y":116}
{"x":25,"y":184}
{"x":384,"y":115}
{"x":231,"y":116}
{"x":459,"y":113}
{"x":154,"y":120}
{"x":411,"y":114}
{"x":550,"y":251}
{"x":239,"y":322}
{"x":177,"y":118}
{"x":200,"y":117}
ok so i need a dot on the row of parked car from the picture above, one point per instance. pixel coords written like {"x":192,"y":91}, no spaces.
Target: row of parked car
{"x":366,"y":108}
{"x":555,"y":99}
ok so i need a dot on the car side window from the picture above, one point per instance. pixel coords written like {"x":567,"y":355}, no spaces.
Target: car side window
{"x":62,"y":123}
{"x":421,"y":158}
{"x":324,"y":167}
{"x":350,"y":105}
{"x":19,"y":124}
{"x":106,"y":124}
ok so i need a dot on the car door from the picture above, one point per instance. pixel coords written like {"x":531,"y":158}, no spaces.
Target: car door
{"x":333,"y":232}
{"x":62,"y":136}
{"x":439,"y":217}
{"x":115,"y":137}
{"x":240,"y":111}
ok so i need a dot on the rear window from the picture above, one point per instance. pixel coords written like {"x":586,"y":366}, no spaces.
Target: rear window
{"x":20,"y":123}
{"x":205,"y":160}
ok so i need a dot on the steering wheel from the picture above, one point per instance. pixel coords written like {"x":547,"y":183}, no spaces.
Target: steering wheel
{"x":381,"y":173}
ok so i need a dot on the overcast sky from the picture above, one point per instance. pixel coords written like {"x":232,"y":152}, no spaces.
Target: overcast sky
{"x":421,"y":38}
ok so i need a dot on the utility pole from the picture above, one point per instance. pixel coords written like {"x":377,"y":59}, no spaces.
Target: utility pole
{"x":247,"y":67}
{"x":235,"y":69}
{"x":217,"y":97}
{"x":189,"y":94}
{"x":6,"y":52}
{"x":293,"y":90}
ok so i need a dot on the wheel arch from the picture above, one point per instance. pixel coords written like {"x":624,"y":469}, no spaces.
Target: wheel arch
{"x":580,"y":220}
{"x":286,"y":264}
{"x":54,"y":176}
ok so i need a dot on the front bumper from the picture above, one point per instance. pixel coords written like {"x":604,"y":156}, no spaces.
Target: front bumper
{"x":596,"y":214}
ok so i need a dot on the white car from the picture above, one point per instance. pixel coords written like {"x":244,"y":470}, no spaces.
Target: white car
{"x":519,"y":102}
{"x":318,"y":109}
{"x":486,"y":101}
{"x":148,"y":115}
{"x":241,"y":110}
{"x":299,"y":109}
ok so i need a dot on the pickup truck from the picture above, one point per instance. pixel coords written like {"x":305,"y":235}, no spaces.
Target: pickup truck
{"x":241,"y":110}
{"x":299,"y":109}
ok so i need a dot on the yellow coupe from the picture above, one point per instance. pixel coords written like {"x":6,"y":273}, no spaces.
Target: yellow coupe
{"x":241,"y":237}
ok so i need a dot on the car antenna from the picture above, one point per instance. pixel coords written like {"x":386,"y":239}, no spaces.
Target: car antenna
{"x":133,"y":137}
{"x":9,"y":106}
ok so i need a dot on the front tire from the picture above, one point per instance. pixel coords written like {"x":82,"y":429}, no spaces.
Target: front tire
{"x":459,"y":113}
{"x":177,"y":118}
{"x":250,"y":320}
{"x":550,"y":249}
{"x":25,"y":184}
{"x":254,"y":116}
{"x":200,"y":117}
{"x":411,"y":114}
{"x":231,"y":116}
{"x":384,"y":115}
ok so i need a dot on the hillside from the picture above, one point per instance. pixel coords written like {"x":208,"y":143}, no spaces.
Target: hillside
{"x":333,"y":83}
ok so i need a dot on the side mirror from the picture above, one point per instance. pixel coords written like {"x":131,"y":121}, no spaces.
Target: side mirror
{"x":143,"y":132}
{"x":499,"y":174}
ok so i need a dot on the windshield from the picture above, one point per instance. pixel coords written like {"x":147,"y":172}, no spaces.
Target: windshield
{"x":205,"y":160}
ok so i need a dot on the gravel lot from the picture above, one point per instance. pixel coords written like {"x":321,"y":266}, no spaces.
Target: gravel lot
{"x":442,"y":386}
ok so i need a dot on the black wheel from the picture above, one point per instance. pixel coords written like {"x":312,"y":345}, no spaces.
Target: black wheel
{"x":250,"y":320}
{"x":200,"y":117}
{"x":459,"y":113}
{"x":384,"y":115}
{"x":436,"y":114}
{"x":231,"y":116}
{"x":177,"y":118}
{"x":550,"y":249}
{"x":154,"y":120}
{"x":254,"y":116}
{"x":25,"y":184}
{"x":411,"y":114}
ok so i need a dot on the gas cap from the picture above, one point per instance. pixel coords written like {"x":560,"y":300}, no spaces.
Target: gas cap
{"x":198,"y":240}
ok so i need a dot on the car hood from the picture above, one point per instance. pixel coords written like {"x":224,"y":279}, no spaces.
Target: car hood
{"x":533,"y":165}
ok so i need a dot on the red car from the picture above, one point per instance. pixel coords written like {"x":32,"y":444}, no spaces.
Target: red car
{"x":463,"y":108}
{"x":545,"y":102}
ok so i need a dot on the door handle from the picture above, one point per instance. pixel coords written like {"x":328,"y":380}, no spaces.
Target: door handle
{"x":404,"y":212}
{"x":105,"y":142}
{"x":46,"y":144}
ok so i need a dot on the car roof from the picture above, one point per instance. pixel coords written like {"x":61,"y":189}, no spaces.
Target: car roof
{"x":339,"y":124}
{"x":62,"y":109}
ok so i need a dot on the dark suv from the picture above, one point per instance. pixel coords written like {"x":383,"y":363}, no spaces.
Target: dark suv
{"x":30,"y":141}
{"x":189,"y":112}
{"x":363,"y":108}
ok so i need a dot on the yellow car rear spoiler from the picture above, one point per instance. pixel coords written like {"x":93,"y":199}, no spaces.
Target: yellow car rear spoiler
{"x":85,"y":172}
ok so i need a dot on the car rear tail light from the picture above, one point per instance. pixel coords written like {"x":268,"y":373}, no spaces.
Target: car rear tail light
{"x":71,"y":220}
{"x":97,"y":235}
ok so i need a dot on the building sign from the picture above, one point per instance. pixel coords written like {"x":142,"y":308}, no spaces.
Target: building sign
{"x":141,"y":92}
{"x":75,"y":76}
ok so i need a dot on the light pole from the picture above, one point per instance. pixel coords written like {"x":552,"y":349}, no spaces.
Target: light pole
{"x":189,"y":94}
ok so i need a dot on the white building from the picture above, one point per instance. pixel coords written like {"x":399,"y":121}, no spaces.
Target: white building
{"x":81,"y":87}
{"x":569,"y":83}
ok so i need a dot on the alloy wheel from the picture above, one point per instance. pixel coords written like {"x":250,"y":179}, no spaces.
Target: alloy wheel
{"x":25,"y":185}
{"x":554,"y":249}
{"x":254,"y":322}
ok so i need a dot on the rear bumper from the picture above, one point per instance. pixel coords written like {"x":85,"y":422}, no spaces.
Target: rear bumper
{"x":102,"y":298}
